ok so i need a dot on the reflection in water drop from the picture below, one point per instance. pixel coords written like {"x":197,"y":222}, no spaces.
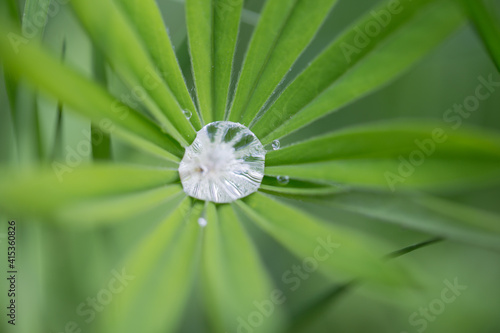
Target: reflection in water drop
{"x":283,"y":180}
{"x":188,"y":114}
{"x":224,"y":163}
{"x":202,"y":222}
{"x":276,"y":144}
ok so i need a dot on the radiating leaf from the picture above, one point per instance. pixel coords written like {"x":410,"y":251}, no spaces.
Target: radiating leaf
{"x":235,"y":280}
{"x":297,"y":187}
{"x":425,"y":213}
{"x":25,"y":101}
{"x":164,"y":267}
{"x":101,"y":149}
{"x":148,"y":22}
{"x":44,"y":192}
{"x":353,"y":65}
{"x":338,"y":252}
{"x":83,"y":96}
{"x":487,"y":26}
{"x":114,"y":35}
{"x":90,"y":212}
{"x":284,"y":30}
{"x":213,"y":30}
{"x":393,"y":155}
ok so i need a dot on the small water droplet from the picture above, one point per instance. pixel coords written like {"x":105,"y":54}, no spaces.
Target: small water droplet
{"x":188,"y":114}
{"x":202,"y":222}
{"x":276,"y":144}
{"x":283,"y":180}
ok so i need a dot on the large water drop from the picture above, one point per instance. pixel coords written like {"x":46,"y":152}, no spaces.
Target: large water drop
{"x":224,"y":163}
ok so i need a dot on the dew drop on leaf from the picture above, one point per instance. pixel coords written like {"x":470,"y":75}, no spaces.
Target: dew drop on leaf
{"x":224,"y":163}
{"x":188,"y":114}
{"x":202,"y":222}
{"x":276,"y":144}
{"x":283,"y":180}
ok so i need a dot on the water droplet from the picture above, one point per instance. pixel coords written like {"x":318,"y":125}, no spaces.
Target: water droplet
{"x":202,"y":222}
{"x":188,"y":114}
{"x":224,"y":163}
{"x":276,"y":144}
{"x":283,"y":180}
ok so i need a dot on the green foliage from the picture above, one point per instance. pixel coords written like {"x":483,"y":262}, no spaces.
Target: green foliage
{"x":355,"y":194}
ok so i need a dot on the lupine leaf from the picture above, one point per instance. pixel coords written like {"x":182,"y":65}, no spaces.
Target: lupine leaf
{"x":44,"y":192}
{"x":115,"y":36}
{"x":284,"y":30}
{"x":393,"y":155}
{"x":424,"y":213}
{"x":164,"y":268}
{"x":338,"y":251}
{"x":349,"y":68}
{"x":84,"y":96}
{"x":213,"y":30}
{"x":486,"y":25}
{"x":234,"y":276}
{"x":148,"y":22}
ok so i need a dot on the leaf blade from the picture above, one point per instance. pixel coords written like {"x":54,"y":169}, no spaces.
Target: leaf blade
{"x":349,"y":254}
{"x":148,"y":22}
{"x":84,"y":96}
{"x":344,"y":72}
{"x":284,"y":30}
{"x":235,"y":278}
{"x":44,"y":192}
{"x":385,"y":155}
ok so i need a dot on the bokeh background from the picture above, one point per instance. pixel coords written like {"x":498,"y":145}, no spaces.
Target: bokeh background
{"x":60,"y":267}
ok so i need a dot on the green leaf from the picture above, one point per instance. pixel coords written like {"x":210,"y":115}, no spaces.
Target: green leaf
{"x":346,"y":71}
{"x":91,"y":212}
{"x":425,"y":213}
{"x":393,"y":155}
{"x":101,"y":149}
{"x":486,"y":24}
{"x":110,"y":30}
{"x":164,"y":269}
{"x":24,"y":100}
{"x":44,"y":192}
{"x":321,"y":306}
{"x":285,"y":29}
{"x":298,"y":187}
{"x":148,"y":22}
{"x":82,"y":95}
{"x":338,"y":252}
{"x":235,"y":281}
{"x":213,"y":30}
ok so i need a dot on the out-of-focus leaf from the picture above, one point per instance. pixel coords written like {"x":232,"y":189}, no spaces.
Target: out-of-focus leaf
{"x":487,"y":26}
{"x":393,"y":155}
{"x":356,"y":63}
{"x":44,"y":192}
{"x":90,"y":212}
{"x":297,"y":187}
{"x":235,"y":280}
{"x":284,"y":30}
{"x":164,"y":267}
{"x":109,"y":28}
{"x":101,"y":148}
{"x":424,"y":213}
{"x":148,"y":22}
{"x":83,"y":96}
{"x":337,"y":252}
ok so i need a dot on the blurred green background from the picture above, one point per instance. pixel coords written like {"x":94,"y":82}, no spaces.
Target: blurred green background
{"x":60,"y":268}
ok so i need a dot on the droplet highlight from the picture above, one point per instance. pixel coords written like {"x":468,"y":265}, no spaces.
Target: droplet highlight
{"x":283,"y":180}
{"x":224,"y":163}
{"x":188,"y":114}
{"x":276,"y":144}
{"x":202,"y":222}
